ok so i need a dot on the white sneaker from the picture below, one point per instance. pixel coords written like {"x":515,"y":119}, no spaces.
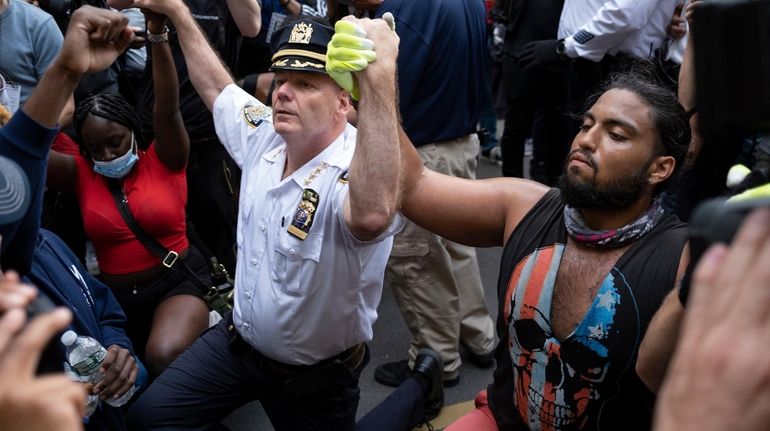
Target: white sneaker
{"x":496,"y":156}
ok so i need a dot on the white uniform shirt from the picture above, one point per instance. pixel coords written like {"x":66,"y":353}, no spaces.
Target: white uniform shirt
{"x":297,"y":301}
{"x":593,"y":28}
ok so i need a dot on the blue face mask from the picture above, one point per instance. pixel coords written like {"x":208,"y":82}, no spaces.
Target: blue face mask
{"x":119,"y":167}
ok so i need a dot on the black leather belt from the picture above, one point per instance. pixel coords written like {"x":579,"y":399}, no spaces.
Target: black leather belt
{"x":351,"y":358}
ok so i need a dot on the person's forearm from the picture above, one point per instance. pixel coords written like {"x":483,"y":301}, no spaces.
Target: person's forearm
{"x":65,"y":118}
{"x":49,"y":98}
{"x":292,"y":6}
{"x":171,"y":140}
{"x":207,"y":72}
{"x":247,"y":15}
{"x":687,"y":77}
{"x":375,"y":169}
{"x":659,"y":342}
{"x":166,"y":105}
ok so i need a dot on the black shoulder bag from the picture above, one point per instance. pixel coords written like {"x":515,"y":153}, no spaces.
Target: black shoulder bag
{"x":218,"y":301}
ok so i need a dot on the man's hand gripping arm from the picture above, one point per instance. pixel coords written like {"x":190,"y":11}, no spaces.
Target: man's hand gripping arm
{"x":374,"y":170}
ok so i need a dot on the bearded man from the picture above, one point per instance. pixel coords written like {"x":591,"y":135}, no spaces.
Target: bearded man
{"x":584,"y":268}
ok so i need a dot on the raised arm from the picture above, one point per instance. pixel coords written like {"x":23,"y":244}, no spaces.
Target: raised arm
{"x":207,"y":72}
{"x":686,"y":88}
{"x":95,"y":38}
{"x":247,"y":15}
{"x":171,"y":140}
{"x":479,"y":213}
{"x":374,"y":170}
{"x":296,"y":7}
{"x":53,"y":95}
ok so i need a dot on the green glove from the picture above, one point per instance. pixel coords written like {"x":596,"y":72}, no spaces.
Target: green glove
{"x":348,"y":51}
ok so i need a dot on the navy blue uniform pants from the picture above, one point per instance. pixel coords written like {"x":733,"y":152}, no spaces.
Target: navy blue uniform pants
{"x":213,"y":377}
{"x":402,"y":410}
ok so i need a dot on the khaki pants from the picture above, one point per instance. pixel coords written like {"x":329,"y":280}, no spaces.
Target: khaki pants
{"x":436,"y":282}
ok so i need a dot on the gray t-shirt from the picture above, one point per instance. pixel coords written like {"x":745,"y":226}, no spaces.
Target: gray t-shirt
{"x":29,"y":41}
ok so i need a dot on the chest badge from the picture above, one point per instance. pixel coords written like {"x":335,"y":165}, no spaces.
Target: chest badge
{"x":303,"y":217}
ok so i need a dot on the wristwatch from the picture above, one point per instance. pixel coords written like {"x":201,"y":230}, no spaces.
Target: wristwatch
{"x":158,"y":38}
{"x":561,"y":50}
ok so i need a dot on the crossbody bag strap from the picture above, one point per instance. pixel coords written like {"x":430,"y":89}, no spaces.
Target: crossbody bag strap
{"x":168,"y":258}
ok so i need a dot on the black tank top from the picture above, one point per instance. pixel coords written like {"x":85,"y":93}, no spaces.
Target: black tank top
{"x":588,"y":380}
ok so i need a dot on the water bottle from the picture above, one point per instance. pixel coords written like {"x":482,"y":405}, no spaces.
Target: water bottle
{"x":86,"y":355}
{"x":92,"y":401}
{"x":117,"y":402}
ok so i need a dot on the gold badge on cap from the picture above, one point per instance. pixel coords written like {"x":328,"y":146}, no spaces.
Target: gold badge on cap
{"x":303,"y":217}
{"x":301,"y":33}
{"x":253,"y":115}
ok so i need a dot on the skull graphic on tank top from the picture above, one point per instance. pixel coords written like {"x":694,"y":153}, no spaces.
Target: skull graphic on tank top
{"x":563,"y":384}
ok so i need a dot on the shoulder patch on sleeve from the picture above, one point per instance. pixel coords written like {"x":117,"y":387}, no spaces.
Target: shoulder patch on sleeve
{"x":582,"y":37}
{"x":253,"y":115}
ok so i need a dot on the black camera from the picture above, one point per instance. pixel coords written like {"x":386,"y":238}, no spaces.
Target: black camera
{"x":715,"y":221}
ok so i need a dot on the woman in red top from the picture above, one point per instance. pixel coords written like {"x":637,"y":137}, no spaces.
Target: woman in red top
{"x":165,"y":309}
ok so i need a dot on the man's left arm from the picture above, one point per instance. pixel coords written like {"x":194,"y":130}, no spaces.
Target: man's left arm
{"x":247,"y":15}
{"x":374,"y":171}
{"x":609,"y":27}
{"x":659,"y":341}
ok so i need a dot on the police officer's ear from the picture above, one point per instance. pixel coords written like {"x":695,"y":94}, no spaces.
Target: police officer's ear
{"x":345,"y":103}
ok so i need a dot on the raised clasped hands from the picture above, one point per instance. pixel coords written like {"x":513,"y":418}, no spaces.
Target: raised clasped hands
{"x":356,"y":44}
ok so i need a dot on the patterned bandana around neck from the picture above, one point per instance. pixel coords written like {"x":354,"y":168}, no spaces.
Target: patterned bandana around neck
{"x":577,"y":229}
